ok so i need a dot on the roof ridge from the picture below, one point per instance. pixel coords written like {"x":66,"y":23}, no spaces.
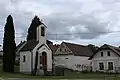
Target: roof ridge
{"x":113,"y":46}
{"x":75,"y":44}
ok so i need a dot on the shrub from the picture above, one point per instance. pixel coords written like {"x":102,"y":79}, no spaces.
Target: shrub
{"x":59,"y":71}
{"x":85,"y":71}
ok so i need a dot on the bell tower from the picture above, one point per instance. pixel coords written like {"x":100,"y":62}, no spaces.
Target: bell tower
{"x":41,"y":34}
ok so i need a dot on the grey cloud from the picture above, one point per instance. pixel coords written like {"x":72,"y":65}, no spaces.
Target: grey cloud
{"x":21,"y":21}
{"x":59,"y":24}
{"x":64,"y":15}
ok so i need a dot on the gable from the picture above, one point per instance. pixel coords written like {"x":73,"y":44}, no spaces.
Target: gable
{"x":106,"y":47}
{"x":105,"y":54}
{"x":44,"y":48}
{"x":43,"y":45}
{"x":63,"y":49}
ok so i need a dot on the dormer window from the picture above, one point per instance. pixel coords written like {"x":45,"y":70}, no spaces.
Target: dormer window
{"x":42,"y":31}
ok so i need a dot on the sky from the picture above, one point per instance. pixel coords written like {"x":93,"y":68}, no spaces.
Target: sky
{"x":76,"y":21}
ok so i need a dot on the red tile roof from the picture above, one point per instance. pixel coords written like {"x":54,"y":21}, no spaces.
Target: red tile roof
{"x":79,"y":50}
{"x":53,"y":47}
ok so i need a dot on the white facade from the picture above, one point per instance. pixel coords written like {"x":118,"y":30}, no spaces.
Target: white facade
{"x":97,"y":59}
{"x":64,"y":56}
{"x":29,"y":63}
{"x":71,"y":61}
{"x":25,"y":66}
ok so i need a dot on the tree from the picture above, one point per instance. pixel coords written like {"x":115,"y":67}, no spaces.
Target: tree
{"x":32,"y":29}
{"x":9,"y":46}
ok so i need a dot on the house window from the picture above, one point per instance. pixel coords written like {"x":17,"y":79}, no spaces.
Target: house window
{"x":65,"y":50}
{"x":66,"y":58}
{"x":108,"y":53}
{"x":101,"y":54}
{"x":24,"y":58}
{"x":110,"y":65}
{"x":42,"y":31}
{"x":101,"y":66}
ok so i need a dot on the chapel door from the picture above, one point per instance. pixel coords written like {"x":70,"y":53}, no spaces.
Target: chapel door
{"x":44,"y":60}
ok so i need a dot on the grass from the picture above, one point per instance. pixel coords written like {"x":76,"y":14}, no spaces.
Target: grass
{"x":68,"y":75}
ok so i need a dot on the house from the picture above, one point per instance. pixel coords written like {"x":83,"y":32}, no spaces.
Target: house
{"x":18,"y":48}
{"x":36,"y":55}
{"x":73,"y":56}
{"x":106,"y":58}
{"x":21,"y":45}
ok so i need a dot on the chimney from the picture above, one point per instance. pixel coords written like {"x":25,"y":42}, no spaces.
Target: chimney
{"x":92,"y":47}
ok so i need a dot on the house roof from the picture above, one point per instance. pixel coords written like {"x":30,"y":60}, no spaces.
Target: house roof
{"x":41,"y":23}
{"x":30,"y":45}
{"x":79,"y":50}
{"x":106,"y":46}
{"x":53,"y":47}
{"x":19,"y":45}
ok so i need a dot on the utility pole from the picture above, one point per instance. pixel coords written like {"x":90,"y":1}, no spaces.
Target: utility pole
{"x":56,"y":37}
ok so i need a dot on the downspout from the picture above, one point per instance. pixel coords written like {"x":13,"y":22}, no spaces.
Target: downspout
{"x":31,"y":62}
{"x":36,"y":62}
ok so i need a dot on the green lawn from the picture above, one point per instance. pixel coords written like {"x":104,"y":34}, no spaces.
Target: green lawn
{"x":68,"y":75}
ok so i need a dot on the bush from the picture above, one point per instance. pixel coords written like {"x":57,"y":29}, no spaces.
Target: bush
{"x":17,"y":62}
{"x":85,"y":71}
{"x":59,"y":71}
{"x":48,"y":73}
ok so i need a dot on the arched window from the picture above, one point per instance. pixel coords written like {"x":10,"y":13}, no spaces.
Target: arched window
{"x":42,"y":31}
{"x":24,"y":58}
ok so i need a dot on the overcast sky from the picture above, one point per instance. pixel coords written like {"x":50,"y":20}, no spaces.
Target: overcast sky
{"x":81,"y":21}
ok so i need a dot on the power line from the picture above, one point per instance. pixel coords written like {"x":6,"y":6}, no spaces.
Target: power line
{"x":69,"y":33}
{"x":23,"y":35}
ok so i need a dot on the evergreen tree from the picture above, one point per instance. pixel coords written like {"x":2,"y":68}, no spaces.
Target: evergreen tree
{"x":9,"y":46}
{"x":32,"y":29}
